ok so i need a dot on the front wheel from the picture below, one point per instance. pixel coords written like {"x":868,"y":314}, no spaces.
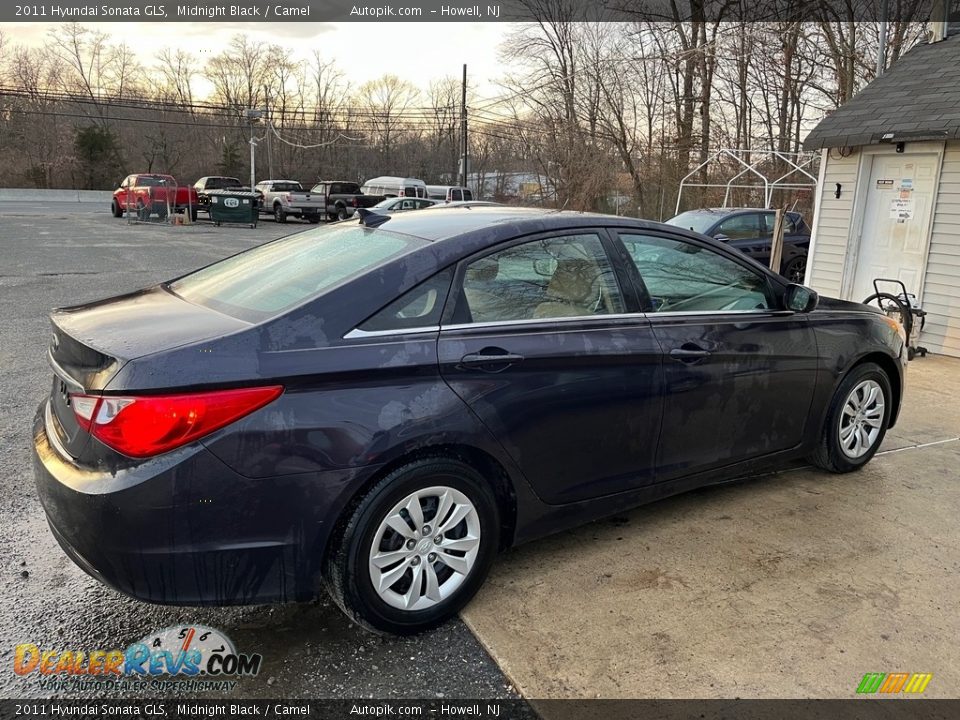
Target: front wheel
{"x":856,"y":421}
{"x":342,"y":213}
{"x":116,"y":209}
{"x":416,"y":548}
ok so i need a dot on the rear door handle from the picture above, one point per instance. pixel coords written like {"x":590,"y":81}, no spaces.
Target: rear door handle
{"x":689,"y":353}
{"x":490,"y":359}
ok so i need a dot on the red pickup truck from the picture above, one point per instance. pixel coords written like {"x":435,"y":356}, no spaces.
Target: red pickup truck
{"x":151,"y":193}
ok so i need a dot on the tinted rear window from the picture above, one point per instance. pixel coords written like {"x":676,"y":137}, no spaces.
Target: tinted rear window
{"x":694,"y":220}
{"x":286,"y":187}
{"x":270,"y":279}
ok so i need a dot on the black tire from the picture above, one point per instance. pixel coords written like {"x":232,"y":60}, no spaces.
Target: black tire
{"x":906,"y":317}
{"x":829,"y":455}
{"x":115,"y":209}
{"x":279,"y":214}
{"x":162,"y":212}
{"x":331,"y":217}
{"x":342,"y":213}
{"x":193,"y":214}
{"x":795,"y":270}
{"x":346,"y":573}
{"x":313,"y":219}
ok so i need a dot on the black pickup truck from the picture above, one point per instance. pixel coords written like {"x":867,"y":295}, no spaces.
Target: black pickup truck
{"x":216,"y":182}
{"x":343,"y":198}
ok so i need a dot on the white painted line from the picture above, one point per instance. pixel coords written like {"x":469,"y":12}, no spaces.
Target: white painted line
{"x":921,"y":445}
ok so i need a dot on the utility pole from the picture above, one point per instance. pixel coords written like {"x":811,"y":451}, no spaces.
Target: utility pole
{"x":253,"y":115}
{"x":463,"y":130}
{"x":269,"y":118}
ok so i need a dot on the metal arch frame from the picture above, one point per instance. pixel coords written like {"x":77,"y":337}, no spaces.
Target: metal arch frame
{"x":798,"y":162}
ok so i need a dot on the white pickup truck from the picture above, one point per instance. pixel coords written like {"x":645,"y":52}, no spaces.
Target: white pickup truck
{"x":287,"y":198}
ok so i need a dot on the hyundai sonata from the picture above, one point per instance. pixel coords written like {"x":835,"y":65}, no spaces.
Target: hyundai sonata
{"x":378,"y":406}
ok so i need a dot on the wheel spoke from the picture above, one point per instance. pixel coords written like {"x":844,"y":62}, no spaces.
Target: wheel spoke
{"x":444,"y":503}
{"x":872,"y":397}
{"x":864,"y":441}
{"x":401,"y":526}
{"x":846,"y":432}
{"x":386,"y":558}
{"x":457,"y":564}
{"x":414,"y":593}
{"x":390,"y":577}
{"x":415,"y":510}
{"x":433,"y":583}
{"x":458,"y":514}
{"x":466,"y":544}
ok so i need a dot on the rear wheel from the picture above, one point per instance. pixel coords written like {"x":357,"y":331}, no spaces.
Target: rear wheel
{"x":416,"y":548}
{"x":795,"y":270}
{"x":342,"y":213}
{"x":279,"y":214}
{"x":856,"y":420}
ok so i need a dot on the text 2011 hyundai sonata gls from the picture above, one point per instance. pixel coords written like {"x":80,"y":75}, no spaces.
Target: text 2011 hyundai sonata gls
{"x":379,"y":409}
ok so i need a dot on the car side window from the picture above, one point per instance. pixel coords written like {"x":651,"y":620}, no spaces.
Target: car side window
{"x":681,"y":276}
{"x":417,"y":308}
{"x":740,"y":227}
{"x":770,"y":220}
{"x":556,"y":277}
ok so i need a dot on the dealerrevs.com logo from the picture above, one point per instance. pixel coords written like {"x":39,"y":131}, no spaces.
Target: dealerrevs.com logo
{"x":179,"y":653}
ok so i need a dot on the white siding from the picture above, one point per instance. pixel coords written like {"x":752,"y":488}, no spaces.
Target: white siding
{"x":833,"y":223}
{"x":941,"y":289}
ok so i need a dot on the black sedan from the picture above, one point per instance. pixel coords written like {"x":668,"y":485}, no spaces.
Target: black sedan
{"x":750,"y":230}
{"x":379,"y":408}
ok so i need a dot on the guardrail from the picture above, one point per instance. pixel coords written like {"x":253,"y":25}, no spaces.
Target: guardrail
{"x":37,"y":195}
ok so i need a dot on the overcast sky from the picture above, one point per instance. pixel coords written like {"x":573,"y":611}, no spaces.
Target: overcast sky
{"x":418,"y":52}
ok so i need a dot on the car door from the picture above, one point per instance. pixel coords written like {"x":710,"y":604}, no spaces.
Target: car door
{"x":739,"y":372}
{"x":747,"y":233}
{"x":539,"y":340}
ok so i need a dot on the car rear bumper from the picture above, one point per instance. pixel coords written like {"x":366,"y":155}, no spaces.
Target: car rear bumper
{"x":184,"y":529}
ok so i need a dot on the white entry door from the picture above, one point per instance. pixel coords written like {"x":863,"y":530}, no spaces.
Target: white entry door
{"x":896,"y":222}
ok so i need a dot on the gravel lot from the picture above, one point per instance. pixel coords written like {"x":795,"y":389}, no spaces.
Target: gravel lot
{"x":69,"y":253}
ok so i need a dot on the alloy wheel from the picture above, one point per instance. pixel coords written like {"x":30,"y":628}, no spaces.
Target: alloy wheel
{"x":425,"y":548}
{"x":861,"y":419}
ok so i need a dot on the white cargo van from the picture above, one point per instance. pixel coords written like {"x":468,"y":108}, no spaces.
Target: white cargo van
{"x":389,"y":186}
{"x":449,"y":193}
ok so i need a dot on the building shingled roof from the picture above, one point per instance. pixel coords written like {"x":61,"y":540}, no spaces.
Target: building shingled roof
{"x":918,"y":98}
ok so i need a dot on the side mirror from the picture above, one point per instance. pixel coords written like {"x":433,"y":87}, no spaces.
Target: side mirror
{"x":800,"y":298}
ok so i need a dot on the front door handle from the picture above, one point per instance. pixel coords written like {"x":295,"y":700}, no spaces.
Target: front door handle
{"x":490,"y":359}
{"x":689,"y":353}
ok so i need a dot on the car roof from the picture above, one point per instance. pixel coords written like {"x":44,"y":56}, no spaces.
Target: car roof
{"x":500,"y":222}
{"x":720,"y":212}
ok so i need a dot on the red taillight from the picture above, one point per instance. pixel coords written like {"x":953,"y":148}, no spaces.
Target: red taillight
{"x":142,"y":426}
{"x":356,"y":203}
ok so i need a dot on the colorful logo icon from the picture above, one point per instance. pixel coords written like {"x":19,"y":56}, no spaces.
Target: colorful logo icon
{"x":188,"y":650}
{"x":891,"y":683}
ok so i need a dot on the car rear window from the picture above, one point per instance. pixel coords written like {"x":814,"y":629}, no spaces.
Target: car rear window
{"x":694,"y":220}
{"x":270,"y":279}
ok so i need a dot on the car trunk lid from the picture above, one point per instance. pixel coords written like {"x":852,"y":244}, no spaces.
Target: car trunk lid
{"x":91,"y":343}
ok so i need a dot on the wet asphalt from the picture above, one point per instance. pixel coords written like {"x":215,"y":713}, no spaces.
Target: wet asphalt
{"x":67,"y":253}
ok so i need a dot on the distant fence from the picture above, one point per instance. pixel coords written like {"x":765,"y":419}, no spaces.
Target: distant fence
{"x":36,"y":195}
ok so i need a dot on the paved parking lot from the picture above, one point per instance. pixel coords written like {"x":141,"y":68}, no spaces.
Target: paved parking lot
{"x":789,"y":585}
{"x":68,"y":253}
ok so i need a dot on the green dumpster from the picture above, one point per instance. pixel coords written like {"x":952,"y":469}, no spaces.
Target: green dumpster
{"x":233,"y":206}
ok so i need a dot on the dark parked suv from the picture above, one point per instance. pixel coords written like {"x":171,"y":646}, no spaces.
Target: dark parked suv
{"x":750,"y":230}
